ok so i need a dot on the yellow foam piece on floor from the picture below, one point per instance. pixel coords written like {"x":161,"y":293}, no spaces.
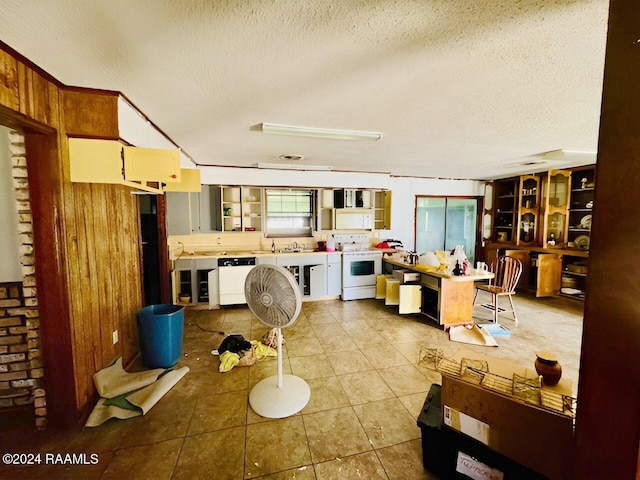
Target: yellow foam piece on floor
{"x":228,"y":360}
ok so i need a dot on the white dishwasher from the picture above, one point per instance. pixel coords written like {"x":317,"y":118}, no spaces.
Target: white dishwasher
{"x":232,"y":273}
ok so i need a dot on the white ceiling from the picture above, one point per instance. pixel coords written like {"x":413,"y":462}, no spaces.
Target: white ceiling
{"x":458,"y":88}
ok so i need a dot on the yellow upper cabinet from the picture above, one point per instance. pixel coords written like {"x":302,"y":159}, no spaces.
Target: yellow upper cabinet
{"x":109,"y":161}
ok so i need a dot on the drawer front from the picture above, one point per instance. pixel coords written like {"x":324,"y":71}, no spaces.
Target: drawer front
{"x":429,"y":281}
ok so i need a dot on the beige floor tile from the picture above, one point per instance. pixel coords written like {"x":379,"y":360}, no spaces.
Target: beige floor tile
{"x":218,"y":455}
{"x":328,"y":419}
{"x":384,"y":356}
{"x":326,"y":394}
{"x":356,"y":467}
{"x":338,"y":343}
{"x":367,"y":339}
{"x":414,"y":403}
{"x":405,"y":379}
{"x":349,"y":362}
{"x":216,"y":412}
{"x":166,"y":420}
{"x":404,"y":461}
{"x":309,"y":346}
{"x":314,"y":366}
{"x":266,"y":368}
{"x":306,"y":472}
{"x":155,"y":461}
{"x":364,"y":387}
{"x":321,"y":318}
{"x":335,"y":434}
{"x":275,"y":446}
{"x":387,"y":422}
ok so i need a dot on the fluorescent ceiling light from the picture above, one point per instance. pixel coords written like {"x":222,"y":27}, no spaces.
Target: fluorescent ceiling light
{"x":287,"y":166}
{"x":320,"y":132}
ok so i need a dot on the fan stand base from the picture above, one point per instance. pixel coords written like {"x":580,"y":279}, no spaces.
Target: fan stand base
{"x":269,"y":401}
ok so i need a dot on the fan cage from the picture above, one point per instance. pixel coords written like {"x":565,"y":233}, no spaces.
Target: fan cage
{"x":273,"y":295}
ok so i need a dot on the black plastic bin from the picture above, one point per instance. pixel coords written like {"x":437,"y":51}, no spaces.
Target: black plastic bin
{"x":441,"y":446}
{"x":160,"y":330}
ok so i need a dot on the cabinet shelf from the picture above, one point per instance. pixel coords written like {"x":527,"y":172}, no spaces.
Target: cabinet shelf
{"x":575,"y":274}
{"x":588,"y":189}
{"x":580,"y":209}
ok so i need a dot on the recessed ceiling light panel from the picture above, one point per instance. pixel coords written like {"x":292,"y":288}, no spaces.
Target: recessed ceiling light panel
{"x":320,"y":132}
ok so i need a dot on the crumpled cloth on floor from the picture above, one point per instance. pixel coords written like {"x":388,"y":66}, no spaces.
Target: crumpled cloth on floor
{"x":263,"y":351}
{"x":228,"y":360}
{"x":245,"y":358}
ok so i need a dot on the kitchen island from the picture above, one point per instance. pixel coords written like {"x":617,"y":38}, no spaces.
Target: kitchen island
{"x":446,"y":299}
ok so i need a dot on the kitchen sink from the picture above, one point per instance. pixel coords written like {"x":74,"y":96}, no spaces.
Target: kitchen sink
{"x":296,"y":250}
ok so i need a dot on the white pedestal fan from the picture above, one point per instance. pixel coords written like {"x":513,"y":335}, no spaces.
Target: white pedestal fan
{"x":274,"y":298}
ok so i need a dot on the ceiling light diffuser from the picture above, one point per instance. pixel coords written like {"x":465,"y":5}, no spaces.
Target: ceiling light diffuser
{"x":320,"y":132}
{"x":288,"y":166}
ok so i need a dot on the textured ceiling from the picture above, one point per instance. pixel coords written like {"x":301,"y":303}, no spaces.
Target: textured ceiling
{"x":458,"y":88}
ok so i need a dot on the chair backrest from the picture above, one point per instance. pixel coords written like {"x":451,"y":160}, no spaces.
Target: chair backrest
{"x":507,"y":271}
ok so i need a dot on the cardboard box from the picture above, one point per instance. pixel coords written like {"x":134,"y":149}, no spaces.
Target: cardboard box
{"x":537,"y":438}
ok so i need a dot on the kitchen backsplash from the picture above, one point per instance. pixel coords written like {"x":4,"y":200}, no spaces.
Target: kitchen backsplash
{"x":243,"y":242}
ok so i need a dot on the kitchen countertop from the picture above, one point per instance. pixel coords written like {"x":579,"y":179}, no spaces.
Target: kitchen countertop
{"x":475,"y":274}
{"x":253,"y":253}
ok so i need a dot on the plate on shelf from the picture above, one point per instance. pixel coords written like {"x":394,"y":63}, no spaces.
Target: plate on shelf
{"x":586,"y":222}
{"x":582,"y":242}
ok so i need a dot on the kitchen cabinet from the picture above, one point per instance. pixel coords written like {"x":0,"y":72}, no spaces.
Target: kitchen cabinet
{"x":240,"y":208}
{"x":309,"y":272}
{"x":183,"y":213}
{"x":190,"y":278}
{"x":505,"y":207}
{"x":353,"y":209}
{"x":382,"y":209}
{"x":574,"y":276}
{"x":557,"y":188}
{"x":334,"y":274}
{"x":580,"y":208}
{"x":528,"y":210}
{"x":109,"y":161}
{"x":183,"y":282}
{"x":540,"y":271}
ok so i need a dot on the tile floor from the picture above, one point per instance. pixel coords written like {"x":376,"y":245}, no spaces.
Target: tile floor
{"x":360,"y":359}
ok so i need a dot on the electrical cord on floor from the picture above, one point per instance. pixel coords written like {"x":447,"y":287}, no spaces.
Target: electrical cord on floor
{"x":204,"y":329}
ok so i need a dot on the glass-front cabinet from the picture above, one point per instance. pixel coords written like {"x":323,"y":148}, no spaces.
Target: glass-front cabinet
{"x":505,"y":208}
{"x":556,"y":208}
{"x":528,"y":210}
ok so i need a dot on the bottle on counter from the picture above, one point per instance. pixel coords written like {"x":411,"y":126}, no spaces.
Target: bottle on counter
{"x":457,"y":270}
{"x":331,"y":244}
{"x":273,"y":246}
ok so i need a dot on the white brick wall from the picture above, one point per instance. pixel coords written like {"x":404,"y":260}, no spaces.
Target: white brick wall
{"x":21,"y":370}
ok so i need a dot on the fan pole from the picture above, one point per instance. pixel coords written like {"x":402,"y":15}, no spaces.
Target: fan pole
{"x":279,"y":330}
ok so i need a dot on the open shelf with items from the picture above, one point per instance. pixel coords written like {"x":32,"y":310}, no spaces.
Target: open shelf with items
{"x":241,"y":209}
{"x":580,"y":208}
{"x":382,"y":209}
{"x":251,"y":209}
{"x":574,"y":276}
{"x":505,"y":209}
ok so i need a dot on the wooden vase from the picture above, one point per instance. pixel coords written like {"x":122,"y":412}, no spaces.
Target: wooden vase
{"x":547,"y":366}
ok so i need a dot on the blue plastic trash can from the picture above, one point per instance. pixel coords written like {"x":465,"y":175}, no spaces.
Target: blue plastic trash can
{"x":160,"y":330}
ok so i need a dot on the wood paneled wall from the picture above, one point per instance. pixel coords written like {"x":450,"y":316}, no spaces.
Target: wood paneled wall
{"x":87,"y":236}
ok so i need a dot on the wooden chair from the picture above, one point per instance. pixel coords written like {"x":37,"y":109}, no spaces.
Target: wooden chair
{"x":507,"y":271}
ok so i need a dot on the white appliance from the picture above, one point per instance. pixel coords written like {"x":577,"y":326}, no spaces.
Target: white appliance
{"x":232,"y":273}
{"x":353,"y":219}
{"x":360,"y":267}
